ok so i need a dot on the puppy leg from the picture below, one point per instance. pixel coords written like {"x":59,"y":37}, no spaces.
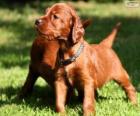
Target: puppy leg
{"x":81,"y":95}
{"x":124,"y":81}
{"x":88,"y":101}
{"x":29,"y":83}
{"x":60,"y":91}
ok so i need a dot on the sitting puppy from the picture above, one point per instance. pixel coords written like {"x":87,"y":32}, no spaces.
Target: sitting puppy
{"x":79,"y":64}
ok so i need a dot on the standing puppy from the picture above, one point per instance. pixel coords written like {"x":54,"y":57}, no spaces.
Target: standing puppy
{"x":79,"y":64}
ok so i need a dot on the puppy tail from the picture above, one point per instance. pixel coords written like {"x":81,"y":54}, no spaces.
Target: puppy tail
{"x":108,"y":41}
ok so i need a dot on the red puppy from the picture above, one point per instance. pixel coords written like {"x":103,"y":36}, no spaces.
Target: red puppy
{"x":43,"y":58}
{"x":79,"y":64}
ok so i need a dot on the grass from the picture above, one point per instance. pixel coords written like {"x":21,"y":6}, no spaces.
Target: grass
{"x":17,"y":34}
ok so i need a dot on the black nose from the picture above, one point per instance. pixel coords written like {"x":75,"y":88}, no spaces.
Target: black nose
{"x":38,"y":21}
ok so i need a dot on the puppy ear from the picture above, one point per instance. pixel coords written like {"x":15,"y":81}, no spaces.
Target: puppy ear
{"x":77,"y":29}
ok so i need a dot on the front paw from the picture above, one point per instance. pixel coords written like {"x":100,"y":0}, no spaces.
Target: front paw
{"x":60,"y":109}
{"x":89,"y":111}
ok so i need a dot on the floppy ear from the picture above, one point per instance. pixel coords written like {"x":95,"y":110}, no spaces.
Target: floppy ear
{"x":77,"y":29}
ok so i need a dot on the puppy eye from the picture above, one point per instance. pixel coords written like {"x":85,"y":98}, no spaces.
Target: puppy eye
{"x":55,"y":17}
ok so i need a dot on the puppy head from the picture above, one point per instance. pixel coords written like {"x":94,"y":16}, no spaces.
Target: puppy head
{"x":60,"y":22}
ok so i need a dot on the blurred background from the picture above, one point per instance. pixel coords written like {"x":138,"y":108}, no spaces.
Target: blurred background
{"x":17,"y":34}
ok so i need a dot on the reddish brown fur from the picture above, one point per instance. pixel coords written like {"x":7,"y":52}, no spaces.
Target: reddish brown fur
{"x":96,"y":65}
{"x":43,"y":58}
{"x":108,"y":41}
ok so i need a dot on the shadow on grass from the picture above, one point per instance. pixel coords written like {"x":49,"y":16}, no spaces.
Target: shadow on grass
{"x":102,"y":98}
{"x":41,"y":97}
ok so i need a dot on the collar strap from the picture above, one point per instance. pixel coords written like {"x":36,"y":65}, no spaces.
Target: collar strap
{"x":72,"y":58}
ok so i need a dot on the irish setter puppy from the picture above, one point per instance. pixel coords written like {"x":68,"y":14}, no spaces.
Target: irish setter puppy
{"x":81,"y":65}
{"x":43,"y":58}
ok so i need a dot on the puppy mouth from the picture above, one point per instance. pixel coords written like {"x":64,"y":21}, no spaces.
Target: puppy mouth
{"x":42,"y":34}
{"x":47,"y":36}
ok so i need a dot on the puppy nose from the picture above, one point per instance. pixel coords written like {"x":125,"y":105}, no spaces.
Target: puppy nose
{"x":38,"y":21}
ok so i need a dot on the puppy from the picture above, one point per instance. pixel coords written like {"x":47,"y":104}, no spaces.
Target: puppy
{"x":80,"y":65}
{"x":43,"y":58}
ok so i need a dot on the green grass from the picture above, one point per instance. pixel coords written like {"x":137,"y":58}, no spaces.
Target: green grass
{"x":17,"y":34}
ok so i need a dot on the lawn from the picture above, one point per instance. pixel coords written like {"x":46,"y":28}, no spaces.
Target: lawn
{"x":17,"y":34}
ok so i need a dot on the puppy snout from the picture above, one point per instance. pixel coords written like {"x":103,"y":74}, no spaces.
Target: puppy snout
{"x":38,"y":21}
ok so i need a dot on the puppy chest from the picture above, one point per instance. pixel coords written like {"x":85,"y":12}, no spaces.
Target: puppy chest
{"x":74,"y":76}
